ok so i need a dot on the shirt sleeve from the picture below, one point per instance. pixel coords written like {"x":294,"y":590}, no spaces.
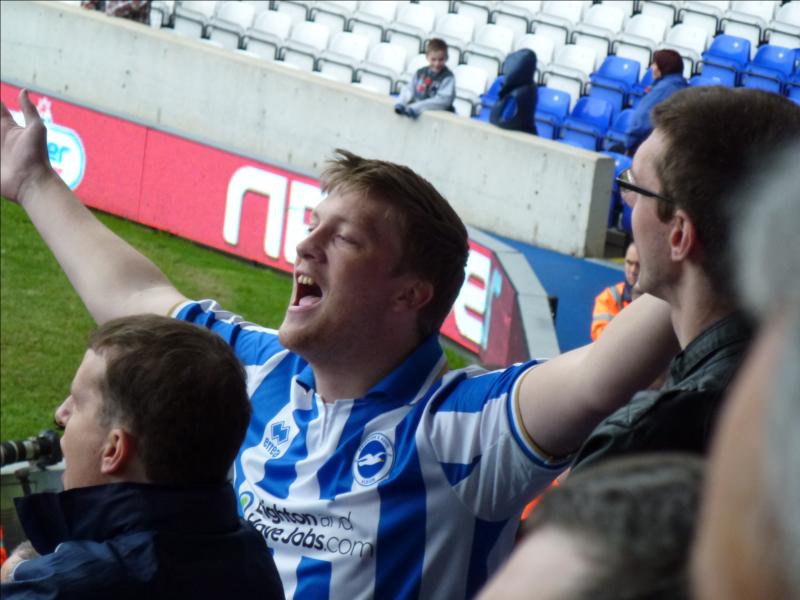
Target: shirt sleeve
{"x":478,"y":437}
{"x":407,"y":93}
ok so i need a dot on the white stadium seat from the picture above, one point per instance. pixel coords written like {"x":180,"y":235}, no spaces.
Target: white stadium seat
{"x":384,"y":65}
{"x":229,"y":25}
{"x":335,"y":14}
{"x":457,"y":31}
{"x":784,"y":29}
{"x":543,"y":47}
{"x":599,"y":28}
{"x":269,"y":32}
{"x":471,"y":82}
{"x":306,"y":42}
{"x":297,"y":10}
{"x":191,"y":19}
{"x":345,"y":52}
{"x":411,"y":27}
{"x":488,"y":51}
{"x":477,"y":10}
{"x":642,"y":34}
{"x":372,"y":18}
{"x":516,"y":15}
{"x":557,"y":19}
{"x":706,"y":15}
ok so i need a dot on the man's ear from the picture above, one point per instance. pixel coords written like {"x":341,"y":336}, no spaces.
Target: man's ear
{"x":119,"y":452}
{"x":414,"y":295}
{"x":682,"y":236}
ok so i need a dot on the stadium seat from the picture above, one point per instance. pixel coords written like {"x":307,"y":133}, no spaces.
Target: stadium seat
{"x":457,"y":30}
{"x":666,"y":12}
{"x":599,"y":28}
{"x":690,"y":42}
{"x":615,"y":207}
{"x":191,"y":20}
{"x":541,"y":45}
{"x":552,"y":107}
{"x":725,"y":78}
{"x":770,"y":68}
{"x":298,"y":10}
{"x":162,"y":13}
{"x":306,"y":41}
{"x":372,"y":18}
{"x":476,"y":10}
{"x":470,"y":84}
{"x":616,"y":136}
{"x":614,"y":81}
{"x":488,"y":51}
{"x":642,"y":34}
{"x":384,"y":65}
{"x":269,"y":32}
{"x":784,"y":29}
{"x":490,"y":97}
{"x":748,"y":20}
{"x":345,"y":53}
{"x":725,"y":58}
{"x":570,"y":70}
{"x":587,"y":124}
{"x":440,"y":7}
{"x":231,"y":22}
{"x":335,"y":14}
{"x":557,"y":19}
{"x":411,"y":27}
{"x":706,"y":15}
{"x":516,"y":15}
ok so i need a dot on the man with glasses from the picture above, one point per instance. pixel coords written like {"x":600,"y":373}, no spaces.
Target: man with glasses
{"x":679,"y":186}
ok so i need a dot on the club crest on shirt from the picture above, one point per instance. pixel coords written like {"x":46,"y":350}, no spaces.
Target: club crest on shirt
{"x":373,"y":460}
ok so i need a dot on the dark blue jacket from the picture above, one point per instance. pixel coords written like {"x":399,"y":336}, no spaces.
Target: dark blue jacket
{"x":143,"y":542}
{"x":640,"y":126}
{"x":516,"y":103}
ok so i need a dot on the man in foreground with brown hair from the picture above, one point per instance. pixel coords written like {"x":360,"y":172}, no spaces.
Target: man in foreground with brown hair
{"x":156,"y":414}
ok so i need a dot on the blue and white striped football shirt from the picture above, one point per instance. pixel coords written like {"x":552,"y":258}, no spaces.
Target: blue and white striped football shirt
{"x":413,"y":491}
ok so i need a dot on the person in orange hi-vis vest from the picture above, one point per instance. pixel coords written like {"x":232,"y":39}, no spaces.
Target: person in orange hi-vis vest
{"x":613,"y":299}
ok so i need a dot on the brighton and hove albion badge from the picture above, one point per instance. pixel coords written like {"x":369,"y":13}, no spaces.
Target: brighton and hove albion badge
{"x":373,"y":460}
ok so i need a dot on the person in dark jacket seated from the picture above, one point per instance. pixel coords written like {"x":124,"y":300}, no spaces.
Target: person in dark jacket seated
{"x":155,"y":416}
{"x":516,"y":103}
{"x":679,"y":188}
{"x":668,"y":78}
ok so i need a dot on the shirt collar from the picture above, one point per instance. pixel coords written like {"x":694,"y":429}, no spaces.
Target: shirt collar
{"x":405,"y":381}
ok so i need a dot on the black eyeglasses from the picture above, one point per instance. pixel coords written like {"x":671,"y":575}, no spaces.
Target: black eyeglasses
{"x":626,"y":186}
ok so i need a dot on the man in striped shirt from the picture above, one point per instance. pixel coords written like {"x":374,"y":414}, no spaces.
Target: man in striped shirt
{"x":371,"y":471}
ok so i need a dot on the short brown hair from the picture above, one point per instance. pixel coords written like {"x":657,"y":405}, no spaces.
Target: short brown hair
{"x":180,"y":391}
{"x":434,"y":240}
{"x":712,"y":135}
{"x":436,"y":45}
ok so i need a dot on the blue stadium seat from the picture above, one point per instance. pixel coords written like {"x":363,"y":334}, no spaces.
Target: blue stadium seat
{"x":552,"y":107}
{"x":616,"y":207}
{"x":639,"y":90}
{"x":616,"y":133}
{"x":793,"y":86}
{"x":614,"y":80}
{"x":770,"y":68}
{"x":726,"y":78}
{"x":587,"y":124}
{"x":489,"y":98}
{"x":728,"y":55}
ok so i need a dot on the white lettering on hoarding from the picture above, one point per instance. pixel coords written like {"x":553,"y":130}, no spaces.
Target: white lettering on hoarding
{"x":469,"y":308}
{"x":264,"y":183}
{"x":302,"y":198}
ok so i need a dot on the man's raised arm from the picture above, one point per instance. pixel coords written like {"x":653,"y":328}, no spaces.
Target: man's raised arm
{"x":563,"y":400}
{"x":112,"y":278}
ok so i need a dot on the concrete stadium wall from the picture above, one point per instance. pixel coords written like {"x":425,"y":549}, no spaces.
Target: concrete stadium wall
{"x":536,"y":191}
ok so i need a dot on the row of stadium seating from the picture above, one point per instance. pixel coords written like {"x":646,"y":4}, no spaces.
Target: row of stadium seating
{"x":378,"y":45}
{"x":590,"y":54}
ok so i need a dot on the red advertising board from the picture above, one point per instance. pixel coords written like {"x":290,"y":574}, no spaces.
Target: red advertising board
{"x":238,"y":205}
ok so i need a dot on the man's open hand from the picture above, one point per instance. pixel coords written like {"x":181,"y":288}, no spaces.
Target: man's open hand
{"x":23,"y":150}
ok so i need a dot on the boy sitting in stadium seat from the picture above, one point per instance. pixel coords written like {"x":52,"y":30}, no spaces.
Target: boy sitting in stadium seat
{"x":432,"y":87}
